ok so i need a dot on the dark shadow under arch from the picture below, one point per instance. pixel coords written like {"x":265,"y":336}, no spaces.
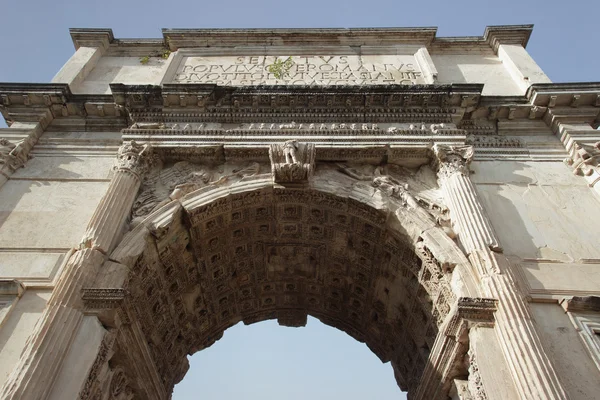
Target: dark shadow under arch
{"x":254,"y":251}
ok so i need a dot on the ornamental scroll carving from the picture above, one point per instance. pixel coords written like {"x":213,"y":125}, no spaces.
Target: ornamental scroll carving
{"x":134,"y":157}
{"x":475,"y":382}
{"x":292,"y":162}
{"x":585,"y":162}
{"x":451,"y":160}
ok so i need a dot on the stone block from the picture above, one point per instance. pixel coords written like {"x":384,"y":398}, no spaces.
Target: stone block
{"x":49,"y":215}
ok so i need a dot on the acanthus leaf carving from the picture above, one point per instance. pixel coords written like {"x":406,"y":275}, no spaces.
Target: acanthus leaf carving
{"x":134,"y":157}
{"x":452,"y":159}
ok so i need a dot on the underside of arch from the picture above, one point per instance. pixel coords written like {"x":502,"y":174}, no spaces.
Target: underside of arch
{"x":254,"y":250}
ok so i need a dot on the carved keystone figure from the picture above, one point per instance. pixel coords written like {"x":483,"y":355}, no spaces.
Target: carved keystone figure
{"x":289,"y":149}
{"x":292,"y":161}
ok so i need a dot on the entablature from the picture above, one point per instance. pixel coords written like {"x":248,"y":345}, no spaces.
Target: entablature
{"x":391,"y":120}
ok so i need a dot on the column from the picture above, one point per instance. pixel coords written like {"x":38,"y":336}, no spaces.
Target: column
{"x":533,"y":374}
{"x":106,"y":225}
{"x":42,"y":358}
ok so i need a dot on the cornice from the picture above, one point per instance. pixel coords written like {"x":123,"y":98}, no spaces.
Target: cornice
{"x":180,"y":38}
{"x":295,"y":99}
{"x":507,"y":34}
{"x":570,"y":102}
{"x":194,"y":38}
{"x":28,"y":101}
{"x":92,"y":37}
{"x":579,"y":94}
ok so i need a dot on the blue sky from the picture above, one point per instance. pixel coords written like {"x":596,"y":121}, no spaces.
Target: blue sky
{"x":265,"y":361}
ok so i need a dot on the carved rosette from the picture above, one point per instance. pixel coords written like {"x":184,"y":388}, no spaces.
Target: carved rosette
{"x":134,"y":157}
{"x":451,"y":160}
{"x":292,"y":162}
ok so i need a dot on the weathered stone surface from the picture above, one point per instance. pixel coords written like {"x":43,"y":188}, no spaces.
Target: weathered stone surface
{"x":409,"y":190}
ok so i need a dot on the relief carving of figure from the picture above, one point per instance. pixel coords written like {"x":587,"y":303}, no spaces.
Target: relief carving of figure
{"x":193,"y":181}
{"x":394,"y":188}
{"x":292,"y":161}
{"x":11,"y":154}
{"x":163,"y":185}
{"x":383,"y":178}
{"x":6,"y":149}
{"x":289,"y":150}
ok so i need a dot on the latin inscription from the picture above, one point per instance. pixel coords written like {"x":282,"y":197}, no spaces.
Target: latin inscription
{"x":302,"y":70}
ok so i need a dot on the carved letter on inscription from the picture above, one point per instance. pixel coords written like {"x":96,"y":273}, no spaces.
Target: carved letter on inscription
{"x":301,"y":70}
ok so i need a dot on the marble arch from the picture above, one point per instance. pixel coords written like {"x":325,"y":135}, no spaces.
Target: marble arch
{"x":449,"y":223}
{"x":351,"y":256}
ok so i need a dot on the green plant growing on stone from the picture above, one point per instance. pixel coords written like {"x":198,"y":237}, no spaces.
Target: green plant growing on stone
{"x":280,"y":68}
{"x":164,"y":54}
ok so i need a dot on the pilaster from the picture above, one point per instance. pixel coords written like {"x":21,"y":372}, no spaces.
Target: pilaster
{"x":79,"y":66}
{"x":531,"y":369}
{"x":521,"y":66}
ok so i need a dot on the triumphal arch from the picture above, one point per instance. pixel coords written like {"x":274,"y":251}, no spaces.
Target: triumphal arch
{"x":433,"y":197}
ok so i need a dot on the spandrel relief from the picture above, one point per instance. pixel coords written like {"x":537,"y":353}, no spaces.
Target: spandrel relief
{"x":171,"y":182}
{"x":410,"y":188}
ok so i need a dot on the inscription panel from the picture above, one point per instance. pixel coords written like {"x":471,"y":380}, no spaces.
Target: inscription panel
{"x":300,"y":70}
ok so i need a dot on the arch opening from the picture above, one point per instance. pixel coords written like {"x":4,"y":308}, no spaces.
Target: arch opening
{"x":255,"y":251}
{"x":266,"y":360}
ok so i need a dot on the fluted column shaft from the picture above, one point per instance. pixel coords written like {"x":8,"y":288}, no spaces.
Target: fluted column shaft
{"x":533,"y":373}
{"x":106,"y":225}
{"x":47,"y":347}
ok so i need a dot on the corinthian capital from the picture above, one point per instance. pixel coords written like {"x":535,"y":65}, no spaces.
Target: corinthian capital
{"x":134,"y":157}
{"x":452,"y":159}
